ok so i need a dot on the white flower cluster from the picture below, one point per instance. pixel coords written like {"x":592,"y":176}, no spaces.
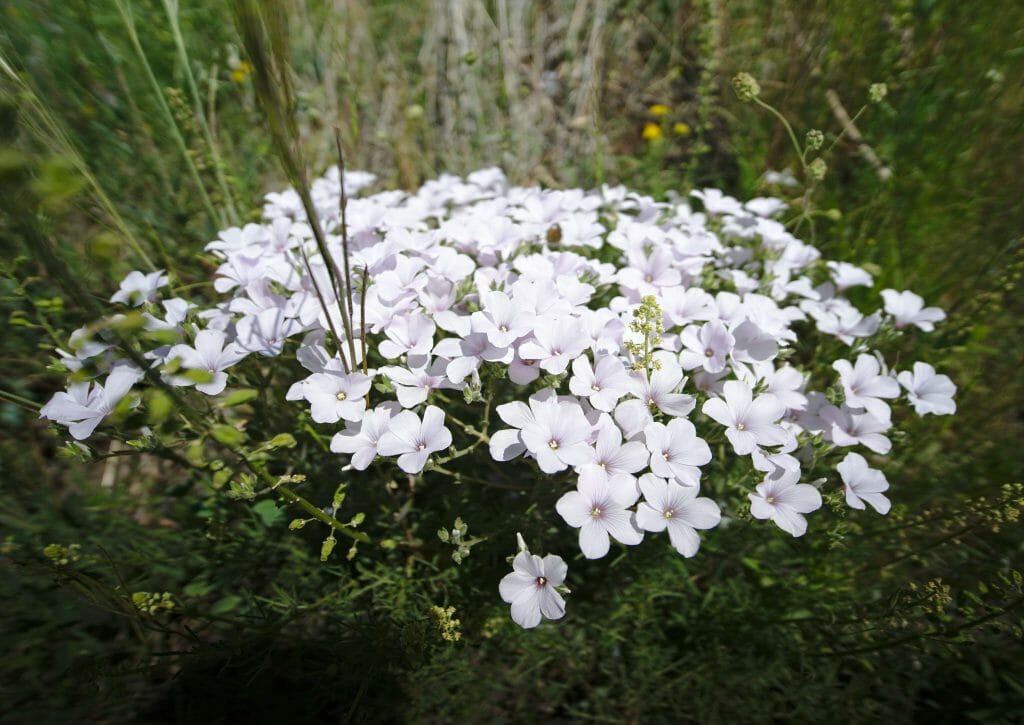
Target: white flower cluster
{"x":602,"y":325}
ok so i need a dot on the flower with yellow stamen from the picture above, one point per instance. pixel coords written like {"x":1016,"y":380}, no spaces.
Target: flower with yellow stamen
{"x":652,"y":131}
{"x":658,"y":110}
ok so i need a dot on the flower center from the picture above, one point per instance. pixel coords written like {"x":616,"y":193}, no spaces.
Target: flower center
{"x":341,"y":395}
{"x":596,"y":512}
{"x":740,"y":426}
{"x":503,"y":328}
{"x":595,"y":387}
{"x":553,"y":444}
{"x":665,"y":455}
{"x":542,"y":581}
{"x":709,"y":353}
{"x":421,"y":447}
{"x":669,"y":513}
{"x":770,"y":499}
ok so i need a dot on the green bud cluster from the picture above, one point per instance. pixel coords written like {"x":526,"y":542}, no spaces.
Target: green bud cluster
{"x":746,"y":87}
{"x":62,"y":555}
{"x":153,"y":602}
{"x":649,"y":324}
{"x":447,"y":624}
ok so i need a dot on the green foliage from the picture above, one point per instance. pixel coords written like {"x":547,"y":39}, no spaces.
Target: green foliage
{"x":167,"y":580}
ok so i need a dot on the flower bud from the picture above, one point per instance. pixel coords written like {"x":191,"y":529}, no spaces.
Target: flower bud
{"x":815,"y":139}
{"x":817,"y":169}
{"x":746,"y":87}
{"x":877,"y":92}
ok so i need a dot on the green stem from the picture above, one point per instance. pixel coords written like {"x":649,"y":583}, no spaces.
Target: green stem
{"x":129,"y":23}
{"x":789,"y":129}
{"x":218,"y":170}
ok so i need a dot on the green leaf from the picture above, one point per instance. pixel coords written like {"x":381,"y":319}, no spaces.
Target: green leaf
{"x":225,"y":605}
{"x":282,"y":440}
{"x":268,"y":511}
{"x":238,"y":397}
{"x":228,"y":435}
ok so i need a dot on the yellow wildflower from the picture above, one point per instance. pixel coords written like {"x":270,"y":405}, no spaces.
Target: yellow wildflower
{"x":681,"y":129}
{"x":652,"y":131}
{"x":658,"y":110}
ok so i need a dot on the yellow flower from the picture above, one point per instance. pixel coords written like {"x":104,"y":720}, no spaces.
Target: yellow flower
{"x":681,"y":129}
{"x":241,"y":71}
{"x":652,"y":131}
{"x":658,"y":110}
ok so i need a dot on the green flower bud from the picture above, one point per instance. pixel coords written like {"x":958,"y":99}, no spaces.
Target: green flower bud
{"x":817,"y":169}
{"x":815,"y":140}
{"x":877,"y":92}
{"x":746,"y":87}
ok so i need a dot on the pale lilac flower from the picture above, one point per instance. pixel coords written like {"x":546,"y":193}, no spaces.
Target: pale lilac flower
{"x":466,"y":355}
{"x":707,"y":347}
{"x":408,"y":335}
{"x":908,"y":308}
{"x":784,"y":501}
{"x":677,"y":508}
{"x":532,"y":586}
{"x":208,"y":354}
{"x":849,"y":429}
{"x":676,"y":451}
{"x":502,"y":320}
{"x":266,"y":332}
{"x":413,"y":385}
{"x":360,"y":438}
{"x":749,"y":421}
{"x":599,"y":507}
{"x":85,"y":405}
{"x":413,"y":440}
{"x":556,"y":342}
{"x":602,"y":384}
{"x":613,"y":458}
{"x":864,"y":385}
{"x":557,"y":436}
{"x":930,"y":393}
{"x":334,"y":395}
{"x":137,"y":288}
{"x":847,"y":275}
{"x":862,"y":484}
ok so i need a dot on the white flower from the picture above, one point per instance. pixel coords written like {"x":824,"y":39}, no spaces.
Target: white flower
{"x":676,"y":451}
{"x":360,"y":439}
{"x":207,"y":354}
{"x":783,"y":500}
{"x":677,"y":508}
{"x":930,"y":393}
{"x":138,"y":288}
{"x":602,"y":384}
{"x":863,"y":484}
{"x":863,"y":385}
{"x":531,"y":588}
{"x":412,"y":440}
{"x":908,"y":309}
{"x":85,"y":405}
{"x":599,"y":507}
{"x":749,"y":421}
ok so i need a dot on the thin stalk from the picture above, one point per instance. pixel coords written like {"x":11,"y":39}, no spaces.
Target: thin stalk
{"x":343,"y":204}
{"x":129,"y":23}
{"x":789,"y":129}
{"x":171,"y":8}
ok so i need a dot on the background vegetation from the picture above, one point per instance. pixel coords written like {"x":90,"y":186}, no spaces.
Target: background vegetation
{"x":131,"y":128}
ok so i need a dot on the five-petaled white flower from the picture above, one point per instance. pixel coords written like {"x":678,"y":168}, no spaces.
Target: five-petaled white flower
{"x":531,"y":588}
{"x":749,"y":422}
{"x":677,"y":508}
{"x":599,"y":507}
{"x":208,"y":354}
{"x":863,"y":484}
{"x":930,"y":393}
{"x":413,"y":440}
{"x":784,"y":501}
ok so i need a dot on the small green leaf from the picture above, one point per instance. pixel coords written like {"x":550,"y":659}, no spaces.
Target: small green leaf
{"x":282,"y":440}
{"x":228,"y":435}
{"x":237,"y":397}
{"x":225,"y":605}
{"x":268,"y":511}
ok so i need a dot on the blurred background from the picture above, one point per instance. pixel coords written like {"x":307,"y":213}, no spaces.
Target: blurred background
{"x":134,"y":126}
